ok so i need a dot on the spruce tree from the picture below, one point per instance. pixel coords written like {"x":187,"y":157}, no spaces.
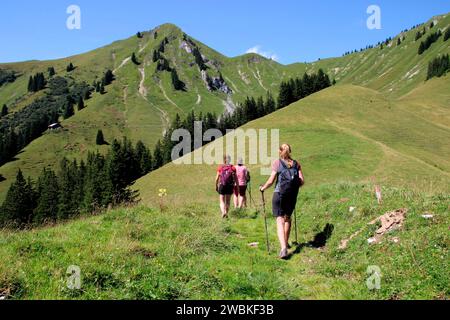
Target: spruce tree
{"x":270,"y":104}
{"x":48,"y":197}
{"x":285,"y":95}
{"x":70,"y":67}
{"x":18,"y":206}
{"x":447,"y":34}
{"x":97,"y":187}
{"x":176,"y":82}
{"x":51,"y":71}
{"x":66,"y":184}
{"x":100,"y":139}
{"x":157,"y":156}
{"x":156,"y":56}
{"x":4,"y":110}
{"x":80,"y":103}
{"x":134,"y":59}
{"x":143,"y":158}
{"x":68,"y":110}
{"x":109,"y":77}
{"x":117,"y":172}
{"x":260,"y":108}
{"x":31,"y":84}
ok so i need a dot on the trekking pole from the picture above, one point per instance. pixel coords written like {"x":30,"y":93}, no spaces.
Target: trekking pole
{"x":295,"y":225}
{"x":250,"y":194}
{"x":265,"y":221}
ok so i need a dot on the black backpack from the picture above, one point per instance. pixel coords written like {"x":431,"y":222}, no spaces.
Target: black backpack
{"x":289,"y":180}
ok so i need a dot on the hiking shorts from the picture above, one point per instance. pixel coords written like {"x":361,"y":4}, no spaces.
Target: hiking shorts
{"x":283,"y":206}
{"x":226,"y":190}
{"x":241,"y":192}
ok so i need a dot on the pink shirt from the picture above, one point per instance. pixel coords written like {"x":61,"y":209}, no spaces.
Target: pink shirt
{"x":241,"y":173}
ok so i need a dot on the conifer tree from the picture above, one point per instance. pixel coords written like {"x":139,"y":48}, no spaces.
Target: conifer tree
{"x":80,"y":103}
{"x":48,"y":197}
{"x":270,"y":103}
{"x":285,"y":95}
{"x":108,"y":78}
{"x":447,"y":34}
{"x":157,"y":156}
{"x":134,"y":59}
{"x":176,"y":82}
{"x":18,"y":206}
{"x":155,"y":56}
{"x":70,"y":67}
{"x":100,"y":139}
{"x":66,"y":183}
{"x":68,"y":110}
{"x":51,"y":71}
{"x":4,"y":110}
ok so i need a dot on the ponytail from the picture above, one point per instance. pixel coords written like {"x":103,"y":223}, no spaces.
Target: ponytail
{"x":285,"y":152}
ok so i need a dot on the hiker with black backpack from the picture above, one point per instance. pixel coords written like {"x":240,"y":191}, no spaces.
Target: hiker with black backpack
{"x":289,"y":178}
{"x":226,"y":181}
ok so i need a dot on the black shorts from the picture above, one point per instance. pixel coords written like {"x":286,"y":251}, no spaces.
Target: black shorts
{"x":241,"y":192}
{"x":283,"y":206}
{"x":226,"y":190}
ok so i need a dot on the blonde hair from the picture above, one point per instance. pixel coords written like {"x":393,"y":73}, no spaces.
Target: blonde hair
{"x":285,"y":152}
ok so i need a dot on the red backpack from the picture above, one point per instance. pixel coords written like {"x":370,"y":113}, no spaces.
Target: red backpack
{"x":226,"y":176}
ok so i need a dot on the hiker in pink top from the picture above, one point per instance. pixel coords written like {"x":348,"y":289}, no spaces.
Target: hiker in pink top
{"x":240,"y":190}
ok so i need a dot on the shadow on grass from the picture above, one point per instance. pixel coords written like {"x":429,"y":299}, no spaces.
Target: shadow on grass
{"x":320,"y":240}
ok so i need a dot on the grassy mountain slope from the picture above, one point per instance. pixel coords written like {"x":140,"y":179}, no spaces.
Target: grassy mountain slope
{"x":141,"y":102}
{"x":188,"y":252}
{"x":396,"y":69}
{"x":343,"y":133}
{"x":344,"y":136}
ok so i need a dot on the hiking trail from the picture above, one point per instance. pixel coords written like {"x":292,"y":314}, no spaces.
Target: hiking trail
{"x":143,"y":93}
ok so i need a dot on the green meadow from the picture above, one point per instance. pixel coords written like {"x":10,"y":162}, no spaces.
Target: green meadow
{"x":381,"y":124}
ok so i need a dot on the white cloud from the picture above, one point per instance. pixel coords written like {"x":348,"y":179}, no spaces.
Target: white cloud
{"x":267,"y":54}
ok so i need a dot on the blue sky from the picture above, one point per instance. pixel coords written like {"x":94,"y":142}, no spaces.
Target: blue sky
{"x":290,"y":30}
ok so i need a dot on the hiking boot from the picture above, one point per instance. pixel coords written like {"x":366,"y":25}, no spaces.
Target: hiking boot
{"x":284,"y":254}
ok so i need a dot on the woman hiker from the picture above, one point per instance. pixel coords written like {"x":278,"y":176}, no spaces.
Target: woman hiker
{"x":289,"y":178}
{"x":225,"y":183}
{"x":240,"y":190}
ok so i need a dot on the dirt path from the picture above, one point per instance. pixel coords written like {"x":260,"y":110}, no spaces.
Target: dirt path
{"x":168,"y":99}
{"x":143,"y":93}
{"x":142,"y":89}
{"x":142,"y":48}
{"x":230,"y":107}
{"x":199,"y":99}
{"x":125,"y":103}
{"x":124,"y":62}
{"x":258,"y":77}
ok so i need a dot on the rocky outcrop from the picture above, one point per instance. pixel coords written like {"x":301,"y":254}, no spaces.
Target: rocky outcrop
{"x":186,"y":47}
{"x":215,"y":83}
